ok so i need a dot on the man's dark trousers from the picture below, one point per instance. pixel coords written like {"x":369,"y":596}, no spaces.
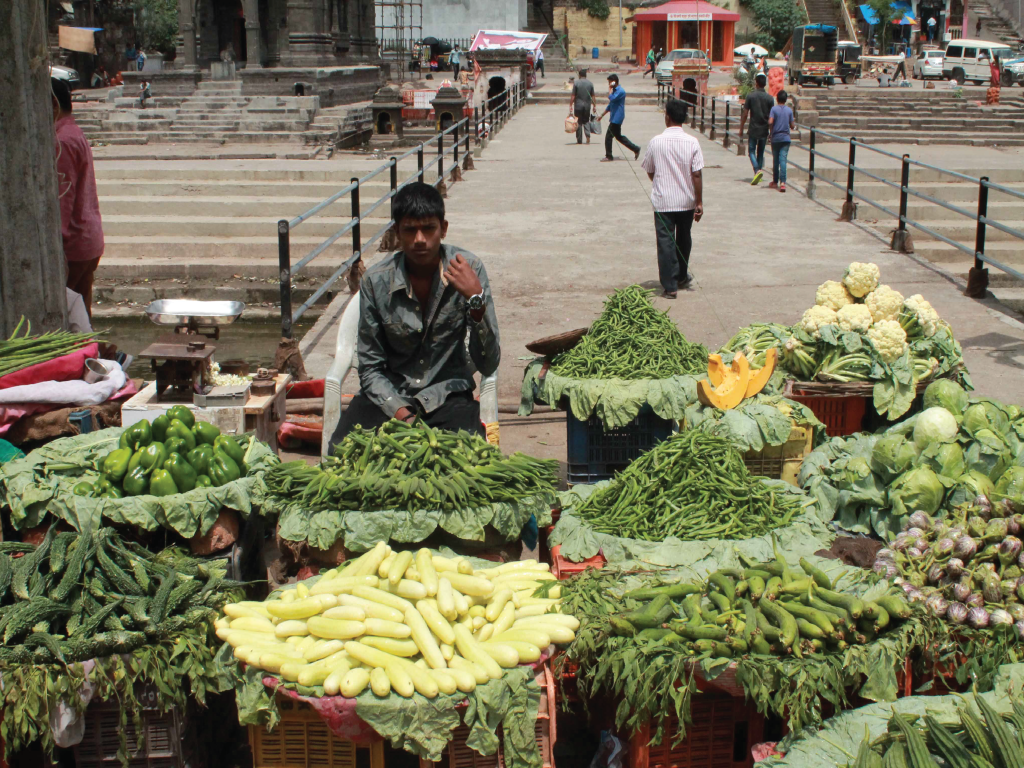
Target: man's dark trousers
{"x":459,"y":411}
{"x":615,"y":132}
{"x":674,"y":243}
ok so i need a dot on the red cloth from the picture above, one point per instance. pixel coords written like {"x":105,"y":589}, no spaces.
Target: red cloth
{"x":67,"y":368}
{"x":300,"y":390}
{"x":80,"y":225}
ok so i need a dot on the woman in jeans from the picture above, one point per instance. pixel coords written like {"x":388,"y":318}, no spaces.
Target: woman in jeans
{"x":780,"y":123}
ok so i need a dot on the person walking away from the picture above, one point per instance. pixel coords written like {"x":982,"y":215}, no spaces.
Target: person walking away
{"x":651,"y":64}
{"x":931,"y":29}
{"x":674,"y":164}
{"x":81,"y":227}
{"x":780,"y":123}
{"x":455,"y":59}
{"x":144,"y":93}
{"x":538,"y":63}
{"x":616,"y":110}
{"x":757,"y":107}
{"x":141,"y":60}
{"x":581,"y":104}
{"x":417,"y":307}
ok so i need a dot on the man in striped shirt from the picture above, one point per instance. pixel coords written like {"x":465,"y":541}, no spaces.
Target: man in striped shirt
{"x":674,"y":162}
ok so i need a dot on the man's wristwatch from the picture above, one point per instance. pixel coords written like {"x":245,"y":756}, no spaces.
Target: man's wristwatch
{"x":476,"y":303}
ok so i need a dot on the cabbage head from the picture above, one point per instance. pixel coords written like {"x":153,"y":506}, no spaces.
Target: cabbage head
{"x":946,"y":393}
{"x":892,"y":456}
{"x":988,"y":454}
{"x":919,"y":488}
{"x":1011,"y":484}
{"x":997,"y":416}
{"x":969,"y":485}
{"x":945,"y":459}
{"x":935,"y":425}
{"x":976,"y":418}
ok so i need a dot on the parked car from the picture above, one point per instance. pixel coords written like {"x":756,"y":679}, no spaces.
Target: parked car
{"x":67,"y":74}
{"x":929,"y":64}
{"x":969,"y":60}
{"x":1012,"y":72}
{"x":667,"y":64}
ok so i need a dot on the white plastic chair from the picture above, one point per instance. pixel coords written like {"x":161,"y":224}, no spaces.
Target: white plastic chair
{"x":345,"y":360}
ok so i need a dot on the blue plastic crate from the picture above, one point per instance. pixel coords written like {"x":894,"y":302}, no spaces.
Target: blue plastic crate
{"x":594,"y":453}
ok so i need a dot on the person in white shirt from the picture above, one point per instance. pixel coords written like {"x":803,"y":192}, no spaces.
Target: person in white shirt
{"x":538,"y":63}
{"x":674,"y":164}
{"x":931,"y":29}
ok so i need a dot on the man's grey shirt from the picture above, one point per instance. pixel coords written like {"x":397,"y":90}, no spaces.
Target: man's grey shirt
{"x":404,"y":358}
{"x":584,"y":90}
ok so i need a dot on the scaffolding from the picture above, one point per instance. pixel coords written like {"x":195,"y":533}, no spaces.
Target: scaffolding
{"x":399,"y":27}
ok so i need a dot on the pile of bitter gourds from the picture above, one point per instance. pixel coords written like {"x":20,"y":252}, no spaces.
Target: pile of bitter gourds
{"x":767,"y":608}
{"x":412,"y":467}
{"x":81,"y":596}
{"x":632,"y":340}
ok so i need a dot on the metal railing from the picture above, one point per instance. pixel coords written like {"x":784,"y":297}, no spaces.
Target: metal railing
{"x":720,"y":119}
{"x":466,"y":136}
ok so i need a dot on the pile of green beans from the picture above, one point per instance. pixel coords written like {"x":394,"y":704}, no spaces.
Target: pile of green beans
{"x":693,"y":486}
{"x":412,"y":467}
{"x":632,"y":340}
{"x":19,"y":352}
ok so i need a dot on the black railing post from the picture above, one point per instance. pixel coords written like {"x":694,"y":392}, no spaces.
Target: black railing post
{"x":440,"y":156}
{"x":725,"y":137}
{"x":357,"y":241}
{"x":693,"y":113}
{"x":419,"y":163}
{"x":703,"y":104}
{"x":901,"y":238}
{"x":849,"y":209}
{"x":713,"y":133}
{"x":977,"y":278}
{"x":284,"y":262}
{"x":394,"y":179}
{"x":455,"y":145}
{"x":476,"y":126}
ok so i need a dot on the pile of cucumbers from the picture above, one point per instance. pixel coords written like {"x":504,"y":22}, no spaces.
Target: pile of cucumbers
{"x":173,"y":454}
{"x":765,"y":608}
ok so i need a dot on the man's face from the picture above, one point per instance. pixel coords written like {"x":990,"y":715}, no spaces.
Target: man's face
{"x":420,"y":239}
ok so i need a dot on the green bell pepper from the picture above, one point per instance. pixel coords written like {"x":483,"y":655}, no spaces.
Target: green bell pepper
{"x":112,"y":493}
{"x":223,"y":468}
{"x":159,"y":427}
{"x":123,"y":441}
{"x":162,"y":483}
{"x":135,"y":461}
{"x":139,"y":435}
{"x":136,"y":482}
{"x":115,"y":465}
{"x":153,"y":456}
{"x":181,"y":471}
{"x":205,"y":432}
{"x":203,"y":481}
{"x":175,"y":445}
{"x":84,"y":488}
{"x":103,"y":484}
{"x":183,"y":414}
{"x":227,"y":444}
{"x":200,"y":458}
{"x":182,"y":432}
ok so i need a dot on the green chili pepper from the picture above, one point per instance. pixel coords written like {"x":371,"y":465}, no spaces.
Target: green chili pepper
{"x":162,"y":483}
{"x":205,"y":432}
{"x":84,"y":488}
{"x":227,"y":444}
{"x":223,"y":469}
{"x":178,"y":429}
{"x":159,"y":427}
{"x":200,"y":458}
{"x":115,"y":465}
{"x":182,"y":472}
{"x":203,"y":481}
{"x":153,"y":456}
{"x":183,"y":414}
{"x":136,"y":482}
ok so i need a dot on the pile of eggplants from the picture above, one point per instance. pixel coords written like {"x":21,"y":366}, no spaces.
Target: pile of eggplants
{"x":967,"y":568}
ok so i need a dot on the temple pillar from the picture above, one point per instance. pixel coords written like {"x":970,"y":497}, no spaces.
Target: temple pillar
{"x":253,"y":40}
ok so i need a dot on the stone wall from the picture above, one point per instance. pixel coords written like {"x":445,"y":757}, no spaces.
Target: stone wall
{"x":585,"y":31}
{"x":333,"y":85}
{"x":464,"y":18}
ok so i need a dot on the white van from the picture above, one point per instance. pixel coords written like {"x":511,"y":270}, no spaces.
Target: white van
{"x":970,"y":60}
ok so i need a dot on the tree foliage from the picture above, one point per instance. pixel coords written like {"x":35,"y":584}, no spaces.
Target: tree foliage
{"x":775,"y":20}
{"x":597,"y":8}
{"x":887,"y":13}
{"x":157,"y":24}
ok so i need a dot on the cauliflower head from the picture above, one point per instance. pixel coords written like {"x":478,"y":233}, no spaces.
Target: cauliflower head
{"x":884,"y":303}
{"x":889,"y":339}
{"x":861,"y":278}
{"x":814,"y":318}
{"x":832,"y":295}
{"x":925,"y":314}
{"x":855,"y":317}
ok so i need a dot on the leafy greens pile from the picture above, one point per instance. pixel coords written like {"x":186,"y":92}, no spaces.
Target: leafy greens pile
{"x":954,"y":450}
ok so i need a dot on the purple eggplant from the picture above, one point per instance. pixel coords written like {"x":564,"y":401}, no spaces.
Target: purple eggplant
{"x":957,"y":613}
{"x":976,"y":600}
{"x":961,"y":591}
{"x":999,"y":616}
{"x":943,"y":547}
{"x":935,"y":574}
{"x":978,"y":617}
{"x":955,"y":567}
{"x":1020,"y":630}
{"x":965,"y":548}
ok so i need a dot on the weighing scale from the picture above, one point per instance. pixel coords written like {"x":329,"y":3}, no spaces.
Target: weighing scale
{"x":181,"y":361}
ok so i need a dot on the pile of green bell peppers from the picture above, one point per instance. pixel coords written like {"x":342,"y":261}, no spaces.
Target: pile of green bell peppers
{"x":172,"y":454}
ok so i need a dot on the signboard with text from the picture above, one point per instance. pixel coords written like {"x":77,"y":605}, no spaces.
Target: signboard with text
{"x":689,"y":17}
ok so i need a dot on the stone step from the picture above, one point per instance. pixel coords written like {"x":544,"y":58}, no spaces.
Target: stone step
{"x":316,"y":190}
{"x":941,"y":138}
{"x":235,"y":137}
{"x":938,"y":252}
{"x":180,"y":256}
{"x":119,"y":141}
{"x":220,"y":86}
{"x":246,"y":207}
{"x":229,"y":226}
{"x":963,"y":196}
{"x":1011,"y":177}
{"x":257,"y":292}
{"x":245,"y":171}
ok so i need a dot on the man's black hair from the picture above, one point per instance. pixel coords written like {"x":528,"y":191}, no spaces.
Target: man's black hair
{"x":62,"y":93}
{"x":761,"y":78}
{"x":418,"y":201}
{"x":676,"y":111}
{"x":613,"y":78}
{"x":583,"y":73}
{"x":782,"y":96}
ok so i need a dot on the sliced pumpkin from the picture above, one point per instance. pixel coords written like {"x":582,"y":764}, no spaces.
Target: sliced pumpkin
{"x":759,"y":378}
{"x":717,"y":370}
{"x":732,"y":389}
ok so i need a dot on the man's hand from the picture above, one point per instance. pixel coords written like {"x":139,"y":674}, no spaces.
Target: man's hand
{"x":405,"y":414}
{"x":462,"y":277}
{"x":698,"y":212}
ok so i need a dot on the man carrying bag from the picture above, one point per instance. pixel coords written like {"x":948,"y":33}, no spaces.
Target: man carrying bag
{"x":581,"y":106}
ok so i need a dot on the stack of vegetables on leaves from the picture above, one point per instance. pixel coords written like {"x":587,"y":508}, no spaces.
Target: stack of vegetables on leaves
{"x":791,"y":635}
{"x":410,"y":478}
{"x":862,"y":331}
{"x":632,"y":356}
{"x":144,"y":617}
{"x":955,"y":449}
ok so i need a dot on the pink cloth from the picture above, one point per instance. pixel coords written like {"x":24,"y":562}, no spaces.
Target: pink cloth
{"x":81,"y":227}
{"x":70,"y":367}
{"x":337,"y":712}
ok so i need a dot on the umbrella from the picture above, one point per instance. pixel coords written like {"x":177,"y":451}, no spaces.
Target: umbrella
{"x":751,"y":49}
{"x":429,"y":41}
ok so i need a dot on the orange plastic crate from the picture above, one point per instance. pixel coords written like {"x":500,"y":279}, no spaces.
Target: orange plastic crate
{"x":563,"y":568}
{"x":841,"y":415}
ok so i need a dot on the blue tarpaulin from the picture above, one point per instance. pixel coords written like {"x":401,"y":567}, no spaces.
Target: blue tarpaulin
{"x":904,"y":13}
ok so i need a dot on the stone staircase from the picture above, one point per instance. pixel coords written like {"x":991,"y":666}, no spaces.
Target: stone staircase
{"x":912,"y":117}
{"x":825,"y":12}
{"x":540,"y":22}
{"x":994,"y":25}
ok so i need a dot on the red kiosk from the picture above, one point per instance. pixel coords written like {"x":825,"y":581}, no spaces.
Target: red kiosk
{"x":687,"y":24}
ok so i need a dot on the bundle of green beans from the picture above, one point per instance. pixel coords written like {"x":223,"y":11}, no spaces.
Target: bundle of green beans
{"x":764,"y":608}
{"x":912,"y":741}
{"x":693,"y":486}
{"x":632,"y":340}
{"x":412,"y":467}
{"x":23,"y":351}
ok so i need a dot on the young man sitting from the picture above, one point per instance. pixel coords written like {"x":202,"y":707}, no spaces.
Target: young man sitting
{"x":417,"y":308}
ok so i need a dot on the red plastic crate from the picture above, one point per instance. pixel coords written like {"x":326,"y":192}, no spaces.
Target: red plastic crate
{"x":563,"y":568}
{"x":841,"y":416}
